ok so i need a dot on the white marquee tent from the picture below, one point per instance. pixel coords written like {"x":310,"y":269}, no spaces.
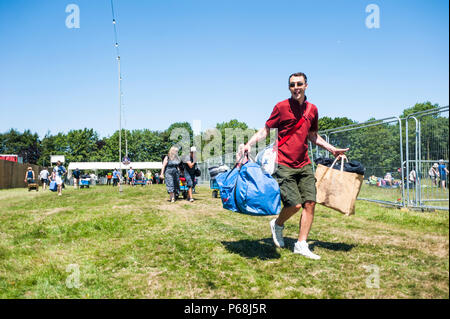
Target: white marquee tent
{"x":94,"y":166}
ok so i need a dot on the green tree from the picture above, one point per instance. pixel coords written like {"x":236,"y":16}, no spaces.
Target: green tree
{"x":145,"y":145}
{"x":26,"y":145}
{"x":419,"y":107}
{"x":82,"y":146}
{"x":326,"y":123}
{"x":52,"y":145}
{"x":184,"y":138}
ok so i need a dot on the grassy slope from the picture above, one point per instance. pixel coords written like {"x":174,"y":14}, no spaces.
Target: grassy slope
{"x":138,"y":245}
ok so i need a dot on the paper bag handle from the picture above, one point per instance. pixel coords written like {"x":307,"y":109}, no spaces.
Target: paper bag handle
{"x":332,"y":165}
{"x":342,"y":157}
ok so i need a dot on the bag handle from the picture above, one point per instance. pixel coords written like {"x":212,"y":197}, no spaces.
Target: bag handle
{"x":332,"y":165}
{"x":342,"y":157}
{"x":238,"y":163}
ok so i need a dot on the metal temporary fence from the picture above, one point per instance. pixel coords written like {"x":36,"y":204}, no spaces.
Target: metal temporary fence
{"x":427,"y":138}
{"x":213,"y":161}
{"x":378,"y":145}
{"x":397,"y":154}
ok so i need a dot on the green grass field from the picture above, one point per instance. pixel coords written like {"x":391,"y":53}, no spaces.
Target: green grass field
{"x":99,"y":243}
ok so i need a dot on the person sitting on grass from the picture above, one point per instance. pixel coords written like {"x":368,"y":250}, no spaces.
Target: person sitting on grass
{"x":388,"y":178}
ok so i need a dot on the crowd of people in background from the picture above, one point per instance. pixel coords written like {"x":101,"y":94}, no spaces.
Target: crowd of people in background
{"x":175,"y":168}
{"x":57,"y":177}
{"x":438,"y":174}
{"x":440,"y":171}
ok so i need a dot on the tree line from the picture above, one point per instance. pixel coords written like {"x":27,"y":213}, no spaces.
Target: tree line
{"x":373,"y":146}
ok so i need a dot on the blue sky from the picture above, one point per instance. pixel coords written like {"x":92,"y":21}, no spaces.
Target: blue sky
{"x":215,"y":60}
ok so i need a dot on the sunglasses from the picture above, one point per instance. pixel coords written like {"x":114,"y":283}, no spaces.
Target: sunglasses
{"x":299,"y":84}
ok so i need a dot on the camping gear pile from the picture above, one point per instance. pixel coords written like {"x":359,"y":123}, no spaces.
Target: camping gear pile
{"x":33,"y":186}
{"x":213,"y":172}
{"x":183,"y":188}
{"x":85,"y":181}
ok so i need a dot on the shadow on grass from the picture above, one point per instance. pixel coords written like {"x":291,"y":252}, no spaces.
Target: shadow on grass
{"x":262,"y":249}
{"x":328,"y":245}
{"x":265,"y":249}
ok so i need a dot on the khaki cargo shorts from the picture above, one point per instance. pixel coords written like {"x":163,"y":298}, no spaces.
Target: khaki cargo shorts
{"x":297,"y":185}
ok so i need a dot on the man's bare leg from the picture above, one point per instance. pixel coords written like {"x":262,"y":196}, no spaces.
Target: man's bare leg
{"x":301,"y":246}
{"x":286,"y":213}
{"x":306,"y":220}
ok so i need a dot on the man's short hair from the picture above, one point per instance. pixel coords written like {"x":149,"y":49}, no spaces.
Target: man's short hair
{"x":298,"y":74}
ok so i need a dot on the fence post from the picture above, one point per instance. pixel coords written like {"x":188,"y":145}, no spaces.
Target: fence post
{"x":401,"y":159}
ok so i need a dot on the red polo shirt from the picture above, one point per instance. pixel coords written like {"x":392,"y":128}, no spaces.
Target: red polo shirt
{"x":285,"y":115}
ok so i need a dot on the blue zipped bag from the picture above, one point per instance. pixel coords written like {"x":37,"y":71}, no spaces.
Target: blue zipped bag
{"x":248,"y":189}
{"x":53,"y":187}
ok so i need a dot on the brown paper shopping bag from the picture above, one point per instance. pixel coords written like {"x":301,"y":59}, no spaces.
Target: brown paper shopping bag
{"x":337,"y":189}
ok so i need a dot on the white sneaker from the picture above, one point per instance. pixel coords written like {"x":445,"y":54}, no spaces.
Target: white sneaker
{"x":302,"y":249}
{"x":277,"y":233}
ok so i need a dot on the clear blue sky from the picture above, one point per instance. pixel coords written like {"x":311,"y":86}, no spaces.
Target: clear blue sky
{"x":214,"y":61}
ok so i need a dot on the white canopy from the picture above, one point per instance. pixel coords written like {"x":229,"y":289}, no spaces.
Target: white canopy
{"x":113,"y":165}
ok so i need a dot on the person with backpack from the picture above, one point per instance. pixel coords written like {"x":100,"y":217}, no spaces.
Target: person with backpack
{"x":189,"y":166}
{"x":294,"y":172}
{"x":116,"y":177}
{"x":131,"y":176}
{"x":59,"y":171}
{"x":29,"y":176}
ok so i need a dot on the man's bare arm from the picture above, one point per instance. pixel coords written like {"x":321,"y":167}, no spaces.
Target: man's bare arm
{"x":261,"y":134}
{"x":319,"y":141}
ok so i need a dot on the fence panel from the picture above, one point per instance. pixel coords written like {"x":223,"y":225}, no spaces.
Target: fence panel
{"x":427,"y":148}
{"x":12,"y":174}
{"x":397,"y":155}
{"x":377,"y":144}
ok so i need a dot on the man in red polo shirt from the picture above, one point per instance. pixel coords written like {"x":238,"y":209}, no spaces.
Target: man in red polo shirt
{"x":294,"y":173}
